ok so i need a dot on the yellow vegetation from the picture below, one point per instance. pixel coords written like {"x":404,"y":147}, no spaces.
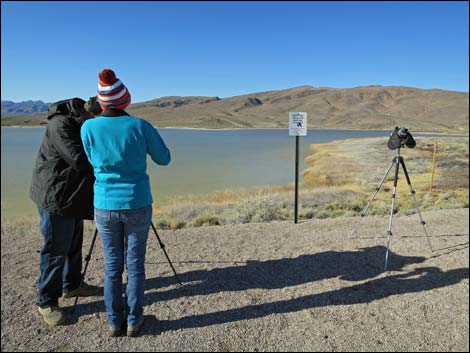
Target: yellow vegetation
{"x":339,"y":181}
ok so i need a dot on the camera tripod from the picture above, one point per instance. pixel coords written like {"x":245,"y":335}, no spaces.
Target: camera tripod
{"x":396,"y":161}
{"x":88,"y":258}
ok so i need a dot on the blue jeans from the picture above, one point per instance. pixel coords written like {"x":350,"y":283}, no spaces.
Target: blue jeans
{"x":60,"y":258}
{"x":124,"y":235}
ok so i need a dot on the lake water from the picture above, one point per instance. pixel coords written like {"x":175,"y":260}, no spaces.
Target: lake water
{"x":202,"y":161}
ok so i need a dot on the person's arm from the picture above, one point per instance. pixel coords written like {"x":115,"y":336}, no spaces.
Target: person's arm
{"x":65,"y":136}
{"x":85,"y":142}
{"x":156,"y":147}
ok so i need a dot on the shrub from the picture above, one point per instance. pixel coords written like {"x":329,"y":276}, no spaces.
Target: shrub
{"x":163,"y":224}
{"x":206,"y":220}
{"x":172,"y":223}
{"x":260,"y":209}
{"x":177,"y":224}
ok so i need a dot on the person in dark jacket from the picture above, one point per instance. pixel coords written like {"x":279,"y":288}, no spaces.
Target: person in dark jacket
{"x":62,"y":188}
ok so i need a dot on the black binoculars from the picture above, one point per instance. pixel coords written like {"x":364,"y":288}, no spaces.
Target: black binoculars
{"x":401,"y":137}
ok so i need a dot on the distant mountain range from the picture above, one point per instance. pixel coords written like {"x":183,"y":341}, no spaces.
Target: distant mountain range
{"x":10,"y":108}
{"x":368,"y":107}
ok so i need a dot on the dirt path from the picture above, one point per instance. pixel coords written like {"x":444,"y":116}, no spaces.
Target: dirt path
{"x":266,"y":287}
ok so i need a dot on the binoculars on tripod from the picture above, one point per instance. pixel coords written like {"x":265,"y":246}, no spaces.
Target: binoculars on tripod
{"x":401,"y":137}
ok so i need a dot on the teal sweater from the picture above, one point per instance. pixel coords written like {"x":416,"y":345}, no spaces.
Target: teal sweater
{"x":117,"y":148}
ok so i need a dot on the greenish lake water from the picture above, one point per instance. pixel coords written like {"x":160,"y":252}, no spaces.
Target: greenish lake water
{"x":203,"y":161}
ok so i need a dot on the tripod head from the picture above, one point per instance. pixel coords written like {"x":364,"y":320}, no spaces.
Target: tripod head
{"x":401,"y":137}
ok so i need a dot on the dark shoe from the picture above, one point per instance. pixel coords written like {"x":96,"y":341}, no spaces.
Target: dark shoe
{"x":116,"y":331}
{"x":133,"y":331}
{"x":86,"y":290}
{"x":52,"y":315}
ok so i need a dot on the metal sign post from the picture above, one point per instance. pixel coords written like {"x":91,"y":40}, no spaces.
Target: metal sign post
{"x":296,"y":197}
{"x":297,"y":127}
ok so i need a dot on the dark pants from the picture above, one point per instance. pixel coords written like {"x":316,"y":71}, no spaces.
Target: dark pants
{"x":61,"y":257}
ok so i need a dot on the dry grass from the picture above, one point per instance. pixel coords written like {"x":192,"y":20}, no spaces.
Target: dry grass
{"x":339,"y":182}
{"x":359,"y":165}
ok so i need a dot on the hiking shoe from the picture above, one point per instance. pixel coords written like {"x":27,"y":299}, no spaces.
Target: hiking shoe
{"x":52,"y":315}
{"x":116,"y":331}
{"x":86,"y":290}
{"x":133,"y":331}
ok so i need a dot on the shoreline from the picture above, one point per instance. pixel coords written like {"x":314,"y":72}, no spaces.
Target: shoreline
{"x":266,"y":128}
{"x":227,"y":204}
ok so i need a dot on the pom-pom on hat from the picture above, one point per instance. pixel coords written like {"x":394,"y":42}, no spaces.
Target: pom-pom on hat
{"x":112,"y":94}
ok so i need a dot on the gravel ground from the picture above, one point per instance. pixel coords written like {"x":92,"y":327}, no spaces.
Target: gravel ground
{"x":266,"y":287}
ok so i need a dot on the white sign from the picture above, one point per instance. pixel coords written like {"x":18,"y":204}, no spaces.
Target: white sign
{"x":297,"y":124}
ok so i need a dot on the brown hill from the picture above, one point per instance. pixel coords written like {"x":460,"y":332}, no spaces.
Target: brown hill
{"x":369,"y":107}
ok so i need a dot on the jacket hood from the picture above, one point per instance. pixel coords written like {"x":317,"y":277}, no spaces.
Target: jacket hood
{"x":75,"y":108}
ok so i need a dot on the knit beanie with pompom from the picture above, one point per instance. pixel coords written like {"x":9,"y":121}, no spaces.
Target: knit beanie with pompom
{"x":112,"y":94}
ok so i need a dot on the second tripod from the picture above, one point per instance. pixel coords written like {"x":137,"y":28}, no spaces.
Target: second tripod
{"x":397,"y":161}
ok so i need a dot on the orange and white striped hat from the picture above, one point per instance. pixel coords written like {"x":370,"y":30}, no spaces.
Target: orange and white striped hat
{"x":112,"y":94}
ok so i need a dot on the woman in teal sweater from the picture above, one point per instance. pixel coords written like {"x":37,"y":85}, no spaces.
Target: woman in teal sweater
{"x":117,"y":145}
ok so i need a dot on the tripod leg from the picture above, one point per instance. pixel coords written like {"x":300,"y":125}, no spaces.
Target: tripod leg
{"x":392,"y":211}
{"x":162,"y":246}
{"x":413,"y":193}
{"x":377,"y":189}
{"x":87,"y":259}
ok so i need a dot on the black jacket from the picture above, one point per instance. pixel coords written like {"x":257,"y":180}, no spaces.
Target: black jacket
{"x":62,"y":181}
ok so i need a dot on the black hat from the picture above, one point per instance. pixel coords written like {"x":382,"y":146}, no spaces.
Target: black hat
{"x":93,"y":106}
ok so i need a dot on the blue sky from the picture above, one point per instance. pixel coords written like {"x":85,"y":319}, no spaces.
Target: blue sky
{"x":54,"y":50}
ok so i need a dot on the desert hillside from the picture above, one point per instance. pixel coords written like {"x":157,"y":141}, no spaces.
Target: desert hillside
{"x":369,"y":107}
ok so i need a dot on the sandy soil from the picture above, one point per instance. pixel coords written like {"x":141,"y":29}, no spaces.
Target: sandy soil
{"x":266,"y":287}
